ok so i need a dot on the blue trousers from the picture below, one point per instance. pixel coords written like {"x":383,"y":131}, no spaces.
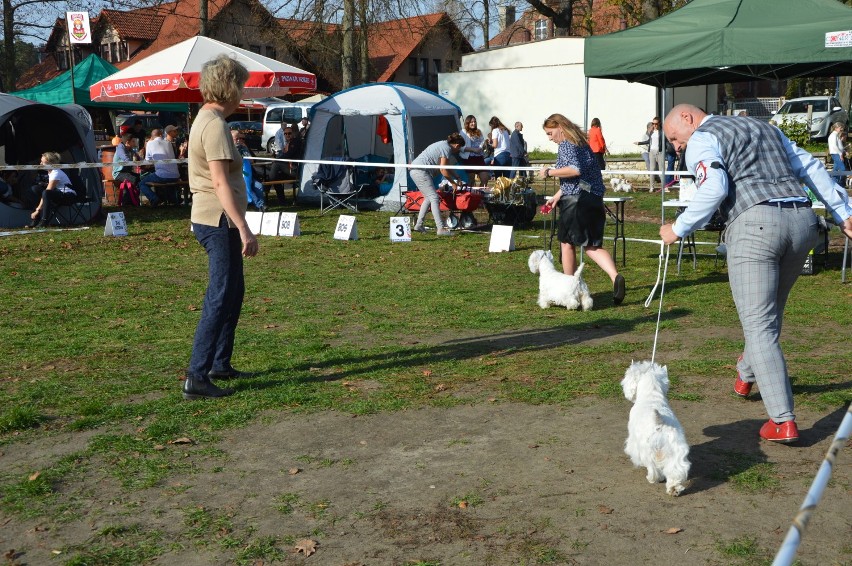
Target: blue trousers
{"x":767,"y":248}
{"x":839,"y":166}
{"x":213,"y":344}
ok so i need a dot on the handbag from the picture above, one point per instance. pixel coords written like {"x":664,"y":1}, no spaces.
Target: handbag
{"x":128,"y":194}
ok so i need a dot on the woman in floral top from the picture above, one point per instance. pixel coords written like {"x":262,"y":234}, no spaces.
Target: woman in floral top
{"x":581,"y":210}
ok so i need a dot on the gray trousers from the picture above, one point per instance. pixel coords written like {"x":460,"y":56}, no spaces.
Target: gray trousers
{"x":423,"y":180}
{"x":767,"y":248}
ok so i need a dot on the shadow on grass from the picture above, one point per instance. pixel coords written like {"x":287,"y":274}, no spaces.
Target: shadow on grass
{"x":500,"y":344}
{"x":737,"y":447}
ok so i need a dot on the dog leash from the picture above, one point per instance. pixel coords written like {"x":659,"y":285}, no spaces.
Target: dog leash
{"x":662,"y":284}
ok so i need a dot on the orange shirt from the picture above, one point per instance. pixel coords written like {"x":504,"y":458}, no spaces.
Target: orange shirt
{"x":596,"y":140}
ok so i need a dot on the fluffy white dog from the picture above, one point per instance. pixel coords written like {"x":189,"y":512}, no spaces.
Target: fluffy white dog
{"x":620,"y":185}
{"x":556,"y":288}
{"x":655,"y":439}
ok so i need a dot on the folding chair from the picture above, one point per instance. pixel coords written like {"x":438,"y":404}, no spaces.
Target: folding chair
{"x":336,"y":187}
{"x":71,"y":211}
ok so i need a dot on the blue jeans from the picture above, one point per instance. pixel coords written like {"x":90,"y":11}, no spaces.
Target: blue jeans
{"x":149,"y":192}
{"x":839,"y":166}
{"x":214,"y":337}
{"x":502,"y":160}
{"x":670,"y":163}
{"x":518,"y":162}
{"x":255,"y":195}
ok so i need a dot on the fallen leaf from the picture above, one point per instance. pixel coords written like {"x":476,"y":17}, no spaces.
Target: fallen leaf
{"x":192,"y":308}
{"x":604,"y":510}
{"x":181,"y":440}
{"x":159,"y":447}
{"x":306,"y":546}
{"x":462,"y":504}
{"x":673,"y":531}
{"x":56,"y":551}
{"x":270,"y":326}
{"x":34,"y":476}
{"x":10,"y":554}
{"x":427,"y":372}
{"x":293,"y":471}
{"x":440,"y":387}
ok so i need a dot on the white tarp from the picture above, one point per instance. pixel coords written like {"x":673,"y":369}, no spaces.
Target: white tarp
{"x":346,"y":123}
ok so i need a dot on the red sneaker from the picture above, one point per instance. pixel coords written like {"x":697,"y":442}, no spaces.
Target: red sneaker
{"x":742,"y":388}
{"x":784,"y":433}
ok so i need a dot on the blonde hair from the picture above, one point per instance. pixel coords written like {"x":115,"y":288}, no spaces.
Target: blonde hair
{"x":222,"y":79}
{"x":51,"y":157}
{"x":573,"y":133}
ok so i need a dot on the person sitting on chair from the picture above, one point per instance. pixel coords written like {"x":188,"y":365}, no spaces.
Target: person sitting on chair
{"x":8,"y":179}
{"x":157,"y":149}
{"x":57,"y":192}
{"x":292,"y":149}
{"x":124,"y":152}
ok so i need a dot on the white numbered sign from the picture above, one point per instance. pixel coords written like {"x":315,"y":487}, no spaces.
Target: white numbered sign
{"x":502,"y":239}
{"x":253,"y":219}
{"x":346,"y":228}
{"x":400,"y":229}
{"x":115,"y":224}
{"x":269,"y":224}
{"x":289,"y":224}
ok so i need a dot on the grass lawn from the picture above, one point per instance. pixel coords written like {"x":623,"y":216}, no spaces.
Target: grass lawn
{"x":97,"y":332}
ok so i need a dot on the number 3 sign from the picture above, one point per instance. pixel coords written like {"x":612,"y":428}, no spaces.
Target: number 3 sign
{"x":400,"y":229}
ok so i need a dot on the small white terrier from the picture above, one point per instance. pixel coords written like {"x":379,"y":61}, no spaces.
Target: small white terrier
{"x":620,"y":185}
{"x":655,"y":439}
{"x":556,"y":288}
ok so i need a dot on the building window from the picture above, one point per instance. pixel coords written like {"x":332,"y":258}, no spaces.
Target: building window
{"x":125,"y":51}
{"x":437,"y":63}
{"x":271,"y":53}
{"x":540,"y":29}
{"x":450,"y":65}
{"x":423,"y":70}
{"x":412,"y":66}
{"x":254,"y":48}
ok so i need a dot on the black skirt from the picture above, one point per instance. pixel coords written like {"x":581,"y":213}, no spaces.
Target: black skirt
{"x":582,"y":219}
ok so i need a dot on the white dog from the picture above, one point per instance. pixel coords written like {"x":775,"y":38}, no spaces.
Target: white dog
{"x":556,"y":288}
{"x":620,"y":185}
{"x":655,"y":439}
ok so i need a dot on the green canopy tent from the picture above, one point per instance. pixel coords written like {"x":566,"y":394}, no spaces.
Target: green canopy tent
{"x":719,"y":41}
{"x":86,"y":73}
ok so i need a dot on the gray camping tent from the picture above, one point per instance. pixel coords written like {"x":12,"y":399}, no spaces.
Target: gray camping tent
{"x":380,"y":122}
{"x":28,"y":129}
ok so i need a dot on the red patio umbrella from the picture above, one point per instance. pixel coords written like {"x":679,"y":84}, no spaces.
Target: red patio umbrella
{"x":172,"y":75}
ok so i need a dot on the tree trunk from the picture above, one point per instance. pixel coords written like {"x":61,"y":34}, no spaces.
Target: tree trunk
{"x":348,"y":53}
{"x":486,"y":18}
{"x":364,"y":47}
{"x":845,"y":94}
{"x":9,"y":72}
{"x":202,"y":16}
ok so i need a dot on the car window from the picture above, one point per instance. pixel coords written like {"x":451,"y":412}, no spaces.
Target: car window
{"x":801,"y":106}
{"x":273,"y":116}
{"x":293,"y":114}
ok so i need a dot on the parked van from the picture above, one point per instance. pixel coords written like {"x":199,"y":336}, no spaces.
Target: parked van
{"x":290,"y":112}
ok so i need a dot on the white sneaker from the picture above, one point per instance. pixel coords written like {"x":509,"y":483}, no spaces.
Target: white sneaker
{"x":420,"y":228}
{"x":443,"y":232}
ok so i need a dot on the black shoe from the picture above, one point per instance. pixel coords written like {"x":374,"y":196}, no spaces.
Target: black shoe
{"x":228,"y":374}
{"x":203,"y":388}
{"x":618,"y":289}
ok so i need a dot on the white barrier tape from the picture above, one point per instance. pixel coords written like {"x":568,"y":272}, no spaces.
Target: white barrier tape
{"x":787,"y":551}
{"x":84,"y":165}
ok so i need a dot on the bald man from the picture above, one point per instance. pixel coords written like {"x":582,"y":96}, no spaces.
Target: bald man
{"x":753,"y":174}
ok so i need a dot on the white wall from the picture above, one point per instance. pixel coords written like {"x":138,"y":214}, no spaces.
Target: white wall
{"x":530,"y":81}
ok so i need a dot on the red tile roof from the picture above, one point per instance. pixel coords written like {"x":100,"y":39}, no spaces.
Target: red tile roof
{"x":144,"y":23}
{"x":392,"y":42}
{"x":606,"y":18}
{"x":40,"y":73}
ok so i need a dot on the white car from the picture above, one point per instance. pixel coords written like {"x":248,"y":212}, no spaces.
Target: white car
{"x":826,"y":111}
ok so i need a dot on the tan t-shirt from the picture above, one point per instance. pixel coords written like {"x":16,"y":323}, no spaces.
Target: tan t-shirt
{"x":210,"y":140}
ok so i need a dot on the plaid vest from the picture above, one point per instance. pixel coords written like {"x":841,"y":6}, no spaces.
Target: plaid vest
{"x":758,"y":168}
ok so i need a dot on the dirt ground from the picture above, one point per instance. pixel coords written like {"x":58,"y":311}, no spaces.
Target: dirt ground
{"x":489,"y":483}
